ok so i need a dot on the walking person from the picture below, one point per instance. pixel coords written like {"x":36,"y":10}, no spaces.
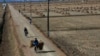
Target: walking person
{"x":25,"y":31}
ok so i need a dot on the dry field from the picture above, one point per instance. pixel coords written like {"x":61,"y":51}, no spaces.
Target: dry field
{"x":1,"y":13}
{"x":78,"y":42}
{"x":76,"y":35}
{"x":69,"y":23}
{"x":1,"y":10}
{"x":57,"y":9}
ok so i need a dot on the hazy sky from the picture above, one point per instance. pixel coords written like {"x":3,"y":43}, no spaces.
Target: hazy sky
{"x":20,"y":0}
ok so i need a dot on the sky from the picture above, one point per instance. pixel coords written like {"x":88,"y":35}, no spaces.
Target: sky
{"x":19,"y":0}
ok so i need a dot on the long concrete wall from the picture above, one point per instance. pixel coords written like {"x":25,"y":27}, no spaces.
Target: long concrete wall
{"x":9,"y":43}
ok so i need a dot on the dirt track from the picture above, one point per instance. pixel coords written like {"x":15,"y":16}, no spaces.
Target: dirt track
{"x":24,"y":42}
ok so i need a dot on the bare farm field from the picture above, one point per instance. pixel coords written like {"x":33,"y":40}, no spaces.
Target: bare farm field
{"x":78,"y":43}
{"x":75,"y":35}
{"x":57,"y":9}
{"x":1,"y":10}
{"x":1,"y":14}
{"x":69,"y":23}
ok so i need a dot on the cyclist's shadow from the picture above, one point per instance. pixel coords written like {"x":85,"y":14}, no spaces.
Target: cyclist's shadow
{"x":45,"y":51}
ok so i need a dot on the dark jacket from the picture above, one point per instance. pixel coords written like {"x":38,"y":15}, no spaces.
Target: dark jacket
{"x":25,"y":30}
{"x":36,"y":43}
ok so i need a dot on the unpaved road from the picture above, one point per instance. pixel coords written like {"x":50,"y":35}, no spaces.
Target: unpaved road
{"x":24,"y":42}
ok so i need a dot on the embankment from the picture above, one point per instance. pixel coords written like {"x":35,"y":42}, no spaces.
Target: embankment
{"x":9,"y":43}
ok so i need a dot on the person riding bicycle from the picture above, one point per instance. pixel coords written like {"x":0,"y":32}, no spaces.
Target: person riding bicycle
{"x":36,"y":43}
{"x":26,"y":31}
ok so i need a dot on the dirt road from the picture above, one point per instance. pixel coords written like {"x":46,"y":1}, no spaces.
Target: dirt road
{"x":24,"y":42}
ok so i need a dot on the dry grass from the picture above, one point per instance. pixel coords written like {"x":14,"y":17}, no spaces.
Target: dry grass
{"x":78,"y":43}
{"x":60,"y":9}
{"x":69,"y":23}
{"x":77,"y":36}
{"x":1,"y":11}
